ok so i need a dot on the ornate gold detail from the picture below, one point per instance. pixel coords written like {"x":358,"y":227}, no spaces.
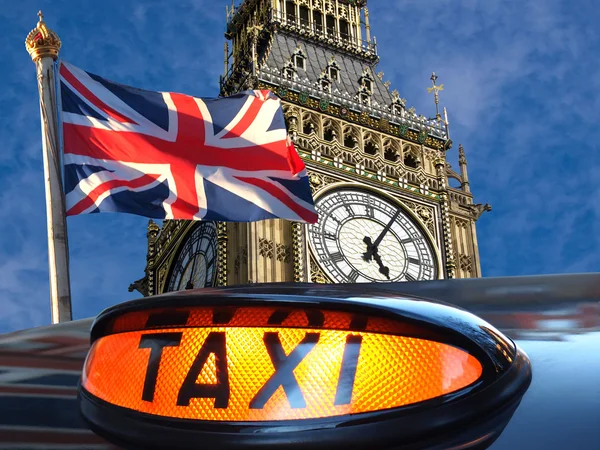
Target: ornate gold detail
{"x":425,"y":213}
{"x":363,"y":118}
{"x":446,"y":227}
{"x":266,"y":248}
{"x":222,"y":254}
{"x":384,"y":125}
{"x":319,"y":181}
{"x":162,"y":276}
{"x":284,"y":253}
{"x":315,"y":182}
{"x":42,"y":42}
{"x":435,"y":89}
{"x":298,"y":253}
{"x":316,"y":274}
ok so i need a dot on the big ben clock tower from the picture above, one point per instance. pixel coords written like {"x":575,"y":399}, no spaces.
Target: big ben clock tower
{"x":378,"y":170}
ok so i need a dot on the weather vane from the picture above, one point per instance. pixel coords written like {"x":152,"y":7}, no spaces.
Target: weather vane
{"x":435,"y":89}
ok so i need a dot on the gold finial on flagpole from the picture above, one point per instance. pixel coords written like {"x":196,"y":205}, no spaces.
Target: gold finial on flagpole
{"x":43,"y":46}
{"x":42,"y":42}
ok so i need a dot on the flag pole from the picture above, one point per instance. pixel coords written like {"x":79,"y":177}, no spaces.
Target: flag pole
{"x":43,"y":46}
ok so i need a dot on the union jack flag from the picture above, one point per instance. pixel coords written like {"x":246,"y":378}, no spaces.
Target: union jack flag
{"x":172,"y":156}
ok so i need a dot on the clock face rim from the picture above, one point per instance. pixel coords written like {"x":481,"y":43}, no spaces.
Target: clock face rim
{"x":178,"y":252}
{"x":430,"y":241}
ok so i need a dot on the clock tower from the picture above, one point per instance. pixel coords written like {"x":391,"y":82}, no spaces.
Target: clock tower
{"x":391,"y":208}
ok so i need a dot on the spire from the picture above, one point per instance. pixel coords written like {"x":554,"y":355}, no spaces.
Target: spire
{"x":42,"y":42}
{"x":435,"y":89}
{"x":462,"y":162}
{"x":367,"y":25}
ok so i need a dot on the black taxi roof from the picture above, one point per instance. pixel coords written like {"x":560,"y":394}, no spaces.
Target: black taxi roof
{"x":555,"y":319}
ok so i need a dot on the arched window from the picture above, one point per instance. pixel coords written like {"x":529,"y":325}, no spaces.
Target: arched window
{"x":410,"y":161}
{"x":308,"y":127}
{"x":349,"y":141}
{"x":390,"y":155}
{"x":329,"y":135}
{"x":318,"y":21}
{"x":370,"y":148}
{"x":304,"y":16}
{"x":344,"y":30}
{"x":330,"y":25}
{"x":334,"y":73}
{"x":290,"y":10}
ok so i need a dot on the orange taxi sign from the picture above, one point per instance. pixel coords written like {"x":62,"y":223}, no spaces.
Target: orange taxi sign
{"x":247,"y":370}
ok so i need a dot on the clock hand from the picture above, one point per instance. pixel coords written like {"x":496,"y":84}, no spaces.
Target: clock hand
{"x":372,"y":247}
{"x":189,"y":284}
{"x":386,"y":229}
{"x":382,"y":269}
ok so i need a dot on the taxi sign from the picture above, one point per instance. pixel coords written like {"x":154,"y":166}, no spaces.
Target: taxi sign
{"x":270,"y":365}
{"x":264,"y":374}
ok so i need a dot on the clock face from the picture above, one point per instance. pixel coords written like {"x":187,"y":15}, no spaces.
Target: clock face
{"x":362,"y":237}
{"x":195,"y":264}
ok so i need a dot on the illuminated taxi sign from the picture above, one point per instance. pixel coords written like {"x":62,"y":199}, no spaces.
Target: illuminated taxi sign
{"x":265,"y":374}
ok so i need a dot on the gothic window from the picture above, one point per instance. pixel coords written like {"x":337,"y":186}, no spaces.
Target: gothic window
{"x":370,"y":148}
{"x":329,"y":135}
{"x":334,"y":74}
{"x":344,"y":30}
{"x":410,"y":161}
{"x":349,"y":141}
{"x":325,"y":85}
{"x":304,"y":16}
{"x":290,"y":9}
{"x":330,"y":25}
{"x":318,"y":21}
{"x":390,"y":155}
{"x":368,"y":84}
{"x":299,"y":59}
{"x":308,"y":127}
{"x":396,"y":108}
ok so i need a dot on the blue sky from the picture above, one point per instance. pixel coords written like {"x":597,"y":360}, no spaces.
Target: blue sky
{"x":521,"y":82}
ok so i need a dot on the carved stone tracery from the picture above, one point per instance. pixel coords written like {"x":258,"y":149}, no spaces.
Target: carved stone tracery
{"x":266,"y":248}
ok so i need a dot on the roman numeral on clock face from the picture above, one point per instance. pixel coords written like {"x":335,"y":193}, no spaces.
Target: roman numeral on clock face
{"x":409,"y":277}
{"x":336,"y":257}
{"x":353,"y":276}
